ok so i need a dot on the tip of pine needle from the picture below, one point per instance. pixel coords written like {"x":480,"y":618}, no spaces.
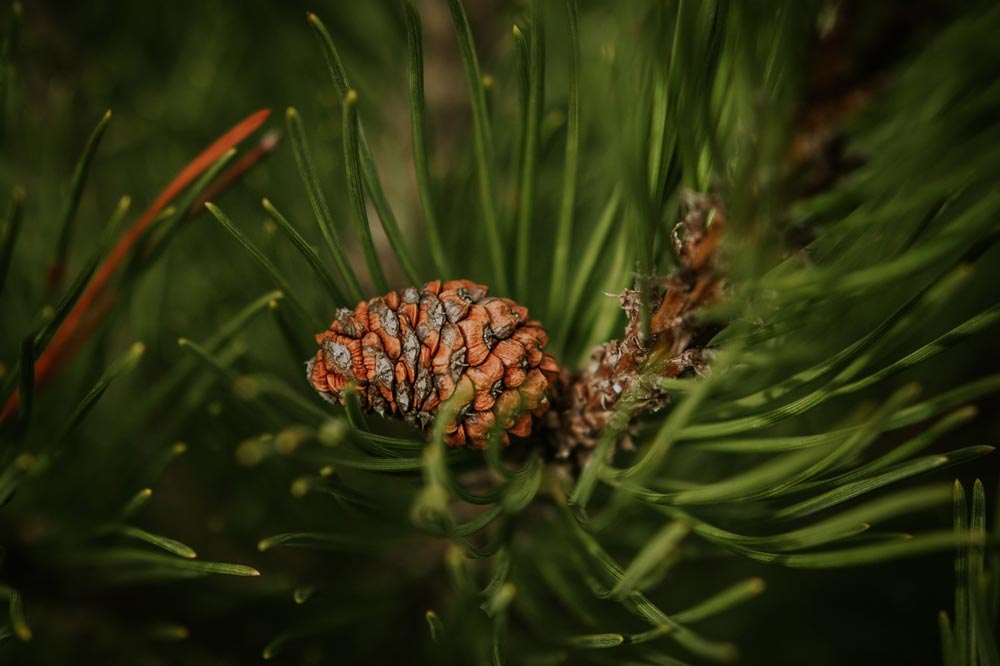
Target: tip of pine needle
{"x":311,"y":17}
{"x":516,"y":31}
{"x":299,"y":488}
{"x":351,"y":97}
{"x":183,"y":342}
{"x":291,"y":113}
{"x":145,"y":492}
{"x":259,"y":116}
{"x":270,"y":139}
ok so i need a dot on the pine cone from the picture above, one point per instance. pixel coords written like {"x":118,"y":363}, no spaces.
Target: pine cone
{"x":409,"y":351}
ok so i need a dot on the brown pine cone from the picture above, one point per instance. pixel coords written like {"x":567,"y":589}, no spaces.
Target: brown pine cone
{"x":409,"y":351}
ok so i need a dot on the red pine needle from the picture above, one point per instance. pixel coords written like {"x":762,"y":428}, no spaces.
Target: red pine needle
{"x":233,"y":173}
{"x":79,"y":323}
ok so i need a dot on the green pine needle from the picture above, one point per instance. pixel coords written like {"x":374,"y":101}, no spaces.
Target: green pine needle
{"x":528,"y":177}
{"x":418,"y":124}
{"x":79,"y":179}
{"x":356,"y":190}
{"x":367,"y":160}
{"x":10,"y":232}
{"x":300,"y":147}
{"x":483,"y":141}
